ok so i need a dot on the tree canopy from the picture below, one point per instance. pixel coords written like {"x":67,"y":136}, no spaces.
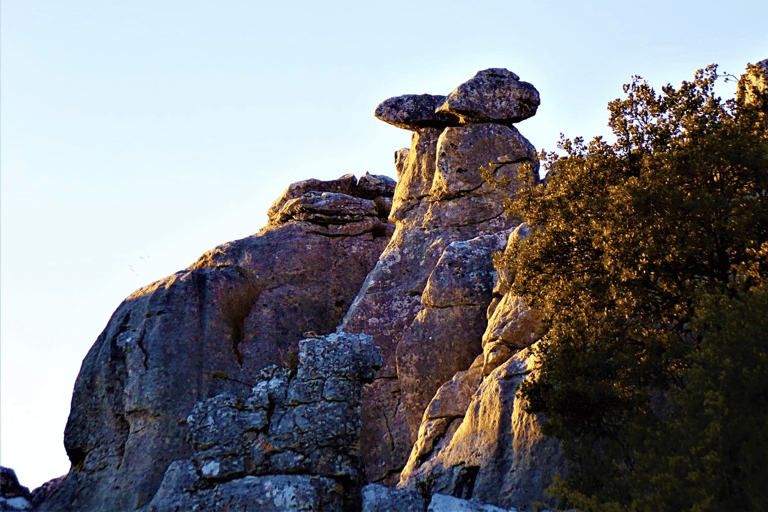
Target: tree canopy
{"x":648,"y":263}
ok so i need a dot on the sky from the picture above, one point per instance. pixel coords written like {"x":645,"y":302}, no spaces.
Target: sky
{"x":134,"y":136}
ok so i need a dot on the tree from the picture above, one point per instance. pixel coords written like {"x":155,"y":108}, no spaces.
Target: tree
{"x":632,"y":240}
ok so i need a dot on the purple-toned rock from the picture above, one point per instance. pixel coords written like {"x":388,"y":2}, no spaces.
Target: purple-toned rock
{"x":462,"y":151}
{"x":203,"y":331}
{"x":494,"y":95}
{"x":414,"y":112}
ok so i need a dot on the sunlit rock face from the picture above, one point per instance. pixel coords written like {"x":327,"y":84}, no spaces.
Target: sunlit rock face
{"x":494,"y":452}
{"x":475,"y":440}
{"x":239,"y":308}
{"x":493,"y":95}
{"x":441,"y":198}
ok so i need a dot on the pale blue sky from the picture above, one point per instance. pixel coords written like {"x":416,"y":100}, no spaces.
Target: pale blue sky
{"x":137,"y":135}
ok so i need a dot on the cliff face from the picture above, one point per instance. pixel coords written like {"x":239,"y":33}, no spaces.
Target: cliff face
{"x":173,"y":409}
{"x":210,"y":329}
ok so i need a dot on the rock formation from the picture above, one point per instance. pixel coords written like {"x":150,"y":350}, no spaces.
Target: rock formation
{"x":424,"y":302}
{"x":13,"y":495}
{"x":293,"y":444}
{"x":211,"y":328}
{"x":475,"y":440}
{"x":199,"y":395}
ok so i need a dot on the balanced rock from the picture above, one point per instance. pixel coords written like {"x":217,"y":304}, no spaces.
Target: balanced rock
{"x":494,"y":95}
{"x":441,"y":198}
{"x":414,"y":112}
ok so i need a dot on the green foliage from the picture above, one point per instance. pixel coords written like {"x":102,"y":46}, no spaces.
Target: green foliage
{"x":630,"y":239}
{"x":710,"y":455}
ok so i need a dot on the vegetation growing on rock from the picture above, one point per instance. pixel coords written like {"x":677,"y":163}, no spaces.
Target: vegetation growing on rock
{"x":648,"y":266}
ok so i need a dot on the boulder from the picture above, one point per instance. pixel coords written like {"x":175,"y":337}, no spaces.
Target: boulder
{"x":10,"y":486}
{"x":201,"y":332}
{"x":13,"y":495}
{"x":380,"y":498}
{"x":494,"y":95}
{"x":446,"y":503}
{"x":414,"y":112}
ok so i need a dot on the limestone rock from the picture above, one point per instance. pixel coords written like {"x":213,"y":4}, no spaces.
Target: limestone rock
{"x":379,"y":498}
{"x":446,"y":503}
{"x":494,"y":95}
{"x":463,"y":150}
{"x":512,"y":323}
{"x":453,"y":398}
{"x":444,"y":336}
{"x":440,"y":198}
{"x":193,"y":335}
{"x":273,"y":493}
{"x":386,"y":307}
{"x":344,"y":185}
{"x":464,"y":273}
{"x":415,"y":172}
{"x":414,"y":112}
{"x":10,"y":486}
{"x":42,"y":493}
{"x":304,"y":421}
{"x":497,"y":454}
{"x":343,"y":207}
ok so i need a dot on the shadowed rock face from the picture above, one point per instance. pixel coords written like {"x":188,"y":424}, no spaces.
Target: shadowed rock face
{"x":440,"y":198}
{"x":297,"y":436}
{"x":239,"y":308}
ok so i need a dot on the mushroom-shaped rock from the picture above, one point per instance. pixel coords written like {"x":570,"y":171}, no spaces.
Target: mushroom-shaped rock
{"x":494,"y":95}
{"x":414,"y":112}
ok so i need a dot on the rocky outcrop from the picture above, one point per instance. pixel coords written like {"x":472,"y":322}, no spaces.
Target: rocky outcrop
{"x":198,"y":394}
{"x":293,"y":444}
{"x":475,"y":440}
{"x":446,"y":332}
{"x":210,"y":329}
{"x":440,"y":198}
{"x":494,"y":453}
{"x":13,"y":495}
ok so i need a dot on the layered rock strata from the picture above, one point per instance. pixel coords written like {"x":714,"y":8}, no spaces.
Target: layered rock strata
{"x":293,"y":444}
{"x":441,"y":198}
{"x":239,"y":308}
